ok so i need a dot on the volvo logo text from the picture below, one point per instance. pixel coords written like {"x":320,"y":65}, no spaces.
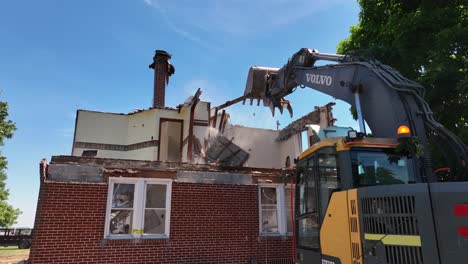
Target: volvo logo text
{"x":319,"y":79}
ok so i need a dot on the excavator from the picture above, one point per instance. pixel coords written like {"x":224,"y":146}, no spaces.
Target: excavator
{"x":371,"y":198}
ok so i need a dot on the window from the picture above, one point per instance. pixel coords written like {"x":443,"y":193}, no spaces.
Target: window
{"x":308,"y":216}
{"x":89,"y":153}
{"x":329,"y":181}
{"x":275,"y":209}
{"x":318,"y":179}
{"x":138,"y":208}
{"x":379,"y":167}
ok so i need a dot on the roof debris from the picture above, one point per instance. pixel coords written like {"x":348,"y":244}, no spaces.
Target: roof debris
{"x":225,"y":152}
{"x":300,"y":124}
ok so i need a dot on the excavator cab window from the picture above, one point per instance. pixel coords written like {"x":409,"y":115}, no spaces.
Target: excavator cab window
{"x":379,"y":167}
{"x":307,"y":207}
{"x":318,"y":178}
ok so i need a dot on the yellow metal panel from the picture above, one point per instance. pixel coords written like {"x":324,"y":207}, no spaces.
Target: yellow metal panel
{"x":329,"y":142}
{"x":334,"y":234}
{"x":340,"y":144}
{"x":355,"y":228}
{"x":396,"y":240}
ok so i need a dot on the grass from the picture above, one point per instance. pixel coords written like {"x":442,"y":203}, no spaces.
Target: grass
{"x":12,"y":254}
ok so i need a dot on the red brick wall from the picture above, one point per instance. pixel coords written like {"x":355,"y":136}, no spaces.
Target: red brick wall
{"x":209,"y":224}
{"x":160,"y":73}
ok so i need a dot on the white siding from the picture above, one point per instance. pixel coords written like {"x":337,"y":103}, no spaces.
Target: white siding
{"x":142,"y":126}
{"x":98,"y":127}
{"x":121,"y":129}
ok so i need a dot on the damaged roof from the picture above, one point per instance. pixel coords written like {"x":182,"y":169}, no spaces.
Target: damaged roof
{"x":299,"y":125}
{"x":191,"y":100}
{"x":226,"y":152}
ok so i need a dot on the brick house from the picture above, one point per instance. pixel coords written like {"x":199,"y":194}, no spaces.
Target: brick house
{"x":169,"y":185}
{"x":207,"y":214}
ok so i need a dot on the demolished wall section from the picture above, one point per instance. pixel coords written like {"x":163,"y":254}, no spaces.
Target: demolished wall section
{"x":263,"y":150}
{"x":80,"y":169}
{"x":291,"y":148}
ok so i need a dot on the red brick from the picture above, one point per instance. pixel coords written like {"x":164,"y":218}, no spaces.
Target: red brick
{"x":210,"y":223}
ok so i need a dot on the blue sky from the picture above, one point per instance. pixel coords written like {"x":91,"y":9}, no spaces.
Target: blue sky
{"x":60,"y":56}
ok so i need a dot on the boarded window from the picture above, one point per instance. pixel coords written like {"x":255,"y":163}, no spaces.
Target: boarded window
{"x":89,"y":153}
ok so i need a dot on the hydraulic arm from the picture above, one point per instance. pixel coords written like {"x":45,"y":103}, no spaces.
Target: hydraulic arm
{"x":381,"y":95}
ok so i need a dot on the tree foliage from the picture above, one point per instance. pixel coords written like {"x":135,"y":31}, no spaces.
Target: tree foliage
{"x":426,"y":40}
{"x":8,"y":214}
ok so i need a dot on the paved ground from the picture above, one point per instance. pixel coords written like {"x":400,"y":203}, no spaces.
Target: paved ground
{"x":12,"y":255}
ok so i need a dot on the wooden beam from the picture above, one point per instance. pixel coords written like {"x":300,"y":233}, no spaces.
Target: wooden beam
{"x":229,"y":103}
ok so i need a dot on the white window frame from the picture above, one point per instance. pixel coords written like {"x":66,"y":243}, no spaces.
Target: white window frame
{"x":280,"y":208}
{"x":139,"y":201}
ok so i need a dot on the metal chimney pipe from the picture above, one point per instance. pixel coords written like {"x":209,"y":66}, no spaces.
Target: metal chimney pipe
{"x":162,"y":70}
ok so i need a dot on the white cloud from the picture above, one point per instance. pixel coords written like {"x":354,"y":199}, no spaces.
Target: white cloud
{"x":148,"y":2}
{"x":181,"y":30}
{"x":194,"y":19}
{"x":239,"y":17}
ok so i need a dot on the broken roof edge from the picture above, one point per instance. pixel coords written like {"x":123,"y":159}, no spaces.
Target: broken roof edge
{"x":190,"y":100}
{"x":158,"y":165}
{"x":136,"y":111}
{"x":265,"y":129}
{"x":298,"y":125}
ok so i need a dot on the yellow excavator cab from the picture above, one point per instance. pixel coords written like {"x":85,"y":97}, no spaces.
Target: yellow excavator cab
{"x":341,"y":144}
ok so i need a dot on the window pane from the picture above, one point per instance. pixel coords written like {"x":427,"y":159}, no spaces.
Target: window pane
{"x":307,"y":193}
{"x":329,"y":180}
{"x":155,"y":221}
{"x":123,"y":195}
{"x":120,"y":221}
{"x":269,"y":209}
{"x":269,"y":221}
{"x":155,"y":196}
{"x":268,"y":196}
{"x":155,"y":211}
{"x":328,"y":170}
{"x":308,"y":232}
{"x":379,"y":167}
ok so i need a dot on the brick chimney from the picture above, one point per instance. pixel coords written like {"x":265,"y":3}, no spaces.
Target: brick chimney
{"x":162,"y":70}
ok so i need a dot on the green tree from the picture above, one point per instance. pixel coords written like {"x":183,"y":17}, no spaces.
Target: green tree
{"x":426,"y":40}
{"x":8,"y":214}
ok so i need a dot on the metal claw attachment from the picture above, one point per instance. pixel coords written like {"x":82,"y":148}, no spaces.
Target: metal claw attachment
{"x":258,"y":83}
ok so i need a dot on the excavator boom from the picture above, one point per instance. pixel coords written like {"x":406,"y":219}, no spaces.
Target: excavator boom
{"x":356,"y":202}
{"x":381,"y":95}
